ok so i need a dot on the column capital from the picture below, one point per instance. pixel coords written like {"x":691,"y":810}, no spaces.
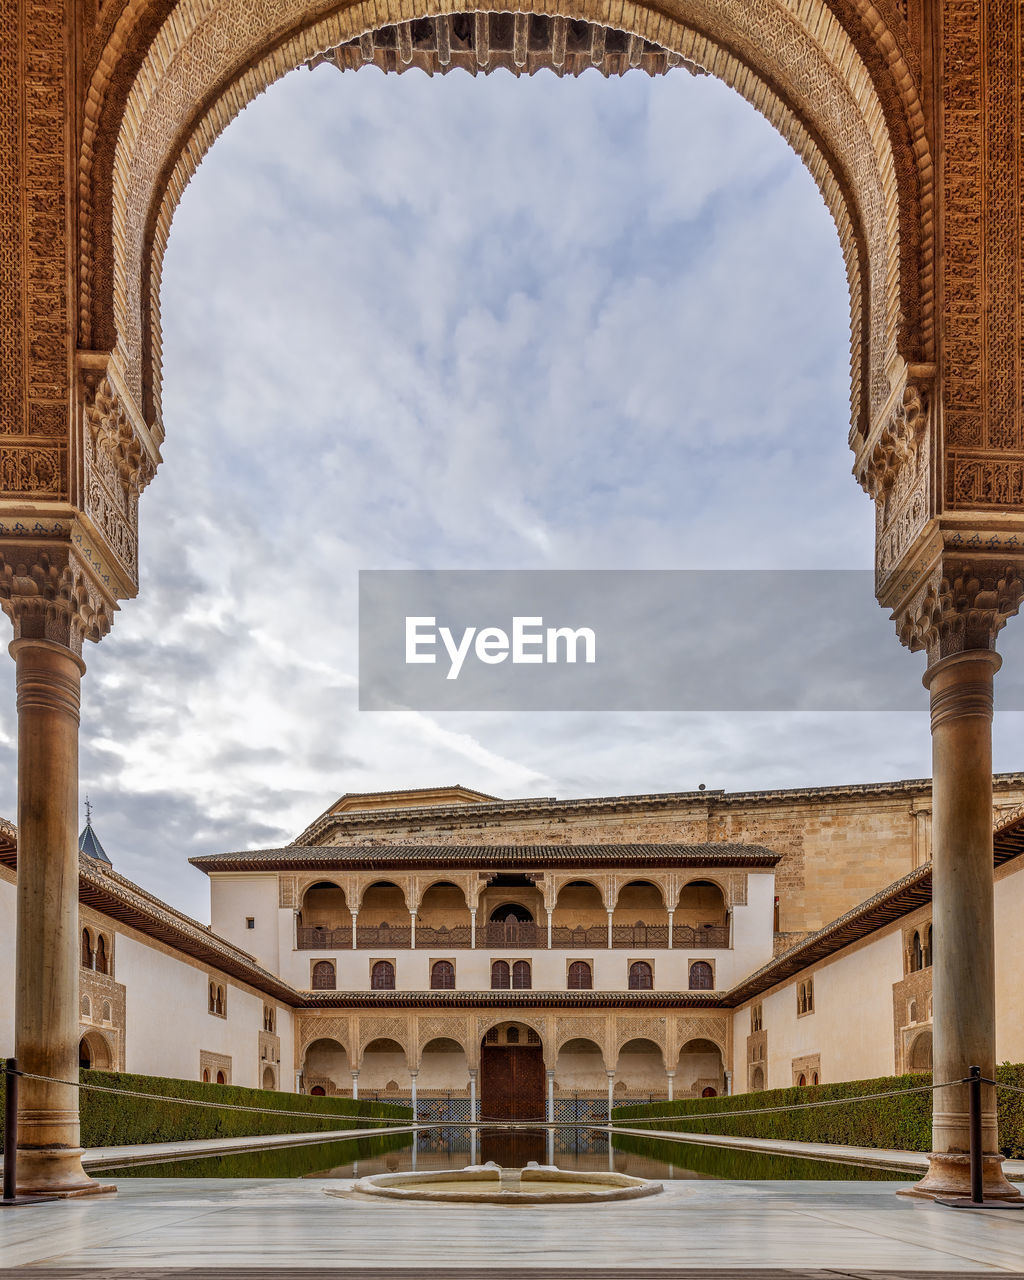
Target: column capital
{"x":960,"y":606}
{"x":51,"y":593}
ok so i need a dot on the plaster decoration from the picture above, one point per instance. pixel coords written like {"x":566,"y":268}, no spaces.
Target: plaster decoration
{"x":639,"y":1028}
{"x":444,"y":1028}
{"x":960,"y":605}
{"x":569,"y":1028}
{"x":310,"y":1029}
{"x":370,"y":1029}
{"x":715,"y":1029}
{"x":214,"y":1062}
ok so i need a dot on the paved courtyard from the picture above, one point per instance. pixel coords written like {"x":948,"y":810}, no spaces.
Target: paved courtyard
{"x":269,"y":1227}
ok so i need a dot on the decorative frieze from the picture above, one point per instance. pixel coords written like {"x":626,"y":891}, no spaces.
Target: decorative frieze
{"x":48,"y":595}
{"x":960,"y":605}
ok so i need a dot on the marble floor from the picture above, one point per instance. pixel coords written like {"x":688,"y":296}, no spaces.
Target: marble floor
{"x":275,"y":1226}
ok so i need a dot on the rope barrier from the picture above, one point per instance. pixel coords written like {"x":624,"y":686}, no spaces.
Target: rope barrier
{"x":220,"y":1106}
{"x":794,"y":1106}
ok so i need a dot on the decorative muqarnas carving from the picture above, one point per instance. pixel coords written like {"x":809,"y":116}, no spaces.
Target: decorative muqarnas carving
{"x":117,"y":467}
{"x":962,"y":605}
{"x":896,"y":474}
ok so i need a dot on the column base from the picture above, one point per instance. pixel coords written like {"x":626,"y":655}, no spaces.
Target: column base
{"x":949,"y":1177}
{"x":57,"y":1172}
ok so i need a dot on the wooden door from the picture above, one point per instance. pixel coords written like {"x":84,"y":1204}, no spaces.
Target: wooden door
{"x":512,"y":1082}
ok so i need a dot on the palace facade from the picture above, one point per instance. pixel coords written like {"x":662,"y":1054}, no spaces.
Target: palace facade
{"x":540,"y":957}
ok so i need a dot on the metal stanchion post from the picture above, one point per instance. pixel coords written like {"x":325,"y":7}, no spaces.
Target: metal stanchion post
{"x":977,"y":1201}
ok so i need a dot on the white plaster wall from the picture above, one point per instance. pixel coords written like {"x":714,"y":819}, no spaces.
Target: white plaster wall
{"x":235,"y":896}
{"x":1009,"y":895}
{"x":8,"y":917}
{"x":168,"y":1023}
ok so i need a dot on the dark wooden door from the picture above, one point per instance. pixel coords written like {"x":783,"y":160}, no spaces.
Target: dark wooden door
{"x":512,"y":1082}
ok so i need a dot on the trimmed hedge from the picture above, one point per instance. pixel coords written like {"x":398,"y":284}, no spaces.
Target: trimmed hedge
{"x":902,"y":1122}
{"x":279,"y":1162}
{"x":109,"y":1120}
{"x":759,"y":1166}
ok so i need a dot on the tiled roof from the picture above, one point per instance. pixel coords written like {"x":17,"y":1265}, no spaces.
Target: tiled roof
{"x":512,"y":1000}
{"x":488,"y":856}
{"x":89,"y":844}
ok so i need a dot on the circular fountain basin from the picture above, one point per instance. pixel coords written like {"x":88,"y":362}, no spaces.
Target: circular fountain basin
{"x":490,"y":1184}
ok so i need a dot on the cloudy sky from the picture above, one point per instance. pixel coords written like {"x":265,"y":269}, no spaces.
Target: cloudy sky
{"x":469,"y":323}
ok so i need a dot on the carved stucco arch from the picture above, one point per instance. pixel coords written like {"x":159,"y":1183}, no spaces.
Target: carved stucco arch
{"x":312,"y":1033}
{"x":830,"y":75}
{"x":485,"y":1022}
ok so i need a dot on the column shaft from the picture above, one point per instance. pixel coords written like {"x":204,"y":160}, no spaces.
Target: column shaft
{"x":48,"y":941}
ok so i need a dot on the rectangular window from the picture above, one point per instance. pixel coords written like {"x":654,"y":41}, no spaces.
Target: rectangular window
{"x":250,"y":922}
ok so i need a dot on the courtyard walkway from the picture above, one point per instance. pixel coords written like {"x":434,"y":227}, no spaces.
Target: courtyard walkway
{"x":276,"y":1228}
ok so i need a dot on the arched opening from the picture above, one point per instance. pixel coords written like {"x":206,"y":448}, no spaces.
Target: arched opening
{"x":86,"y":1007}
{"x":641,"y":976}
{"x":581,"y":1081}
{"x":443,"y":918}
{"x":221,"y":1078}
{"x":105,"y":1015}
{"x":268,"y":1078}
{"x":384,"y":1069}
{"x":640,"y":1071}
{"x":757,"y":1079}
{"x":522,"y":975}
{"x":511,"y":1073}
{"x":442,"y":976}
{"x":382,"y":976}
{"x":928,"y":954}
{"x":443,"y":1074}
{"x":101,"y":954}
{"x":702,"y":916}
{"x":916,"y":953}
{"x":579,"y":918}
{"x":920,"y":1056}
{"x":94,"y":1052}
{"x":324,"y":921}
{"x":709,"y":1092}
{"x":324,"y":977}
{"x":509,"y":910}
{"x":326,"y":1067}
{"x":699,"y":1066}
{"x":383,"y":919}
{"x":512,"y":913}
{"x":206,"y":1075}
{"x":86,"y":949}
{"x":640,"y":918}
{"x":801,"y":1080}
{"x":580,"y":976}
{"x":501,"y":975}
{"x":318,"y":1091}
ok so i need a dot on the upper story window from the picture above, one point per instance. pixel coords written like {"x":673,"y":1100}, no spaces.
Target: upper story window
{"x":702,"y":976}
{"x":442,"y":976}
{"x":269,"y":1018}
{"x":641,"y":976}
{"x":805,"y":997}
{"x":96,"y":952}
{"x":581,"y":977}
{"x":756,"y":1018}
{"x":382,"y":976}
{"x":324,"y":977}
{"x":250,"y":922}
{"x":919,"y":949}
{"x":218,"y":1000}
{"x":522,"y":979}
{"x":86,"y":949}
{"x":501,"y":975}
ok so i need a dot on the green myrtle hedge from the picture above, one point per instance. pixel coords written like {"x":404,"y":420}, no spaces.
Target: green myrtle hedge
{"x":112,"y":1120}
{"x":903,"y":1122}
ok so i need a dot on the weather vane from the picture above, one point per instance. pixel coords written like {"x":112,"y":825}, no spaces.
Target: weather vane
{"x":88,"y":812}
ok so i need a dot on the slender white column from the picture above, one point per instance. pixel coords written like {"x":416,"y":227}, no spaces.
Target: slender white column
{"x":472,"y":928}
{"x":355,"y":1084}
{"x":415,"y":1112}
{"x":298,"y":1082}
{"x":670,"y":916}
{"x":609,"y":931}
{"x":549,"y":930}
{"x":551,"y":1097}
{"x":412,"y":936}
{"x":472,"y":1095}
{"x":611,"y":1092}
{"x":728,"y":1084}
{"x":354,"y":917}
{"x":551,"y":1146}
{"x":671,"y":1083}
{"x":295,"y":930}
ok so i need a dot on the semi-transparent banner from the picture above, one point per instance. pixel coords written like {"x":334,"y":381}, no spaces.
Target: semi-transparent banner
{"x":635,"y":640}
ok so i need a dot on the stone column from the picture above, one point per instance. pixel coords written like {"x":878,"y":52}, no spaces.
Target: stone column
{"x":298,"y":1082}
{"x":412,"y":1076}
{"x":472,"y":928}
{"x":355,"y":1084}
{"x":472,"y":1095}
{"x":551,"y":1096}
{"x":963,"y":916}
{"x":355,"y":916}
{"x":611,"y":1093}
{"x":671,"y":1083}
{"x":48,"y":940}
{"x":609,"y":930}
{"x":412,"y":930}
{"x":671,"y":914}
{"x":549,"y":928}
{"x":728,"y":1084}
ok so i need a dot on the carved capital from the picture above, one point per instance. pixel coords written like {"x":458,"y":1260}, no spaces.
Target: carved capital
{"x":960,"y":605}
{"x":48,"y":594}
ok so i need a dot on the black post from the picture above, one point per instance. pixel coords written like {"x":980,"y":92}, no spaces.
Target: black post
{"x":974,"y":1117}
{"x":10,"y":1129}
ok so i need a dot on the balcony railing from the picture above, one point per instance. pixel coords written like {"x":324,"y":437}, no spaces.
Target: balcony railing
{"x":515,"y":935}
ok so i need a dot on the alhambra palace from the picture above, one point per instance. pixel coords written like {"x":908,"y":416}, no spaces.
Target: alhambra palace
{"x":541,"y":958}
{"x":444,"y":955}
